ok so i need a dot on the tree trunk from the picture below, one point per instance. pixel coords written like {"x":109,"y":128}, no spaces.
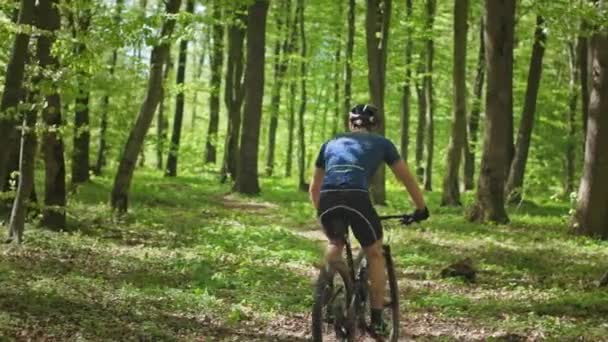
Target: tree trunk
{"x":217,"y":62}
{"x":420,"y":130}
{"x":82,"y":134}
{"x":499,"y":19}
{"x":571,"y":121}
{"x":348,"y":59}
{"x":473,"y":119}
{"x":162,"y":123}
{"x":321,"y":99}
{"x":247,"y":167}
{"x":171,"y":170}
{"x":583,"y":65}
{"x":197,"y":77}
{"x":591,"y":216}
{"x":26,"y":175}
{"x":105,"y":102}
{"x":291,"y":122}
{"x":282,"y":50}
{"x":158,"y":58}
{"x":377,"y":21}
{"x":338,"y":79}
{"x":53,"y":215}
{"x":407,"y":84}
{"x":303,"y":74}
{"x":324,"y":116}
{"x":13,"y":90}
{"x":428,"y":96}
{"x":234,"y":93}
{"x":82,"y":138}
{"x":142,"y":152}
{"x":515,"y":181}
{"x":451,"y":186}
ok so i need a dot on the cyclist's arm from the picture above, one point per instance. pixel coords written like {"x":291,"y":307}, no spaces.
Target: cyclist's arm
{"x":405,"y":176}
{"x":315,"y":186}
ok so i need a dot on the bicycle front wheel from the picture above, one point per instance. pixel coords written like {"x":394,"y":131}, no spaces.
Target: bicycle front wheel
{"x":332,"y":318}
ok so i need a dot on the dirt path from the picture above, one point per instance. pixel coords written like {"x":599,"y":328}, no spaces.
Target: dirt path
{"x":426,"y":326}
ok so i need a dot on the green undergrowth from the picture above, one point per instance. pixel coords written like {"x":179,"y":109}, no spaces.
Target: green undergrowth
{"x":188,"y":259}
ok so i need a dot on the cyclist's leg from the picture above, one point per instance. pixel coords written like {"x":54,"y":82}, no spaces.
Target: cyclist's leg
{"x":368,"y":230}
{"x":377,"y":275}
{"x":331,"y":216}
{"x":334,"y":251}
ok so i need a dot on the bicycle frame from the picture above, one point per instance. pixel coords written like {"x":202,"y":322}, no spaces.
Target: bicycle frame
{"x":353,"y":272}
{"x":349,"y":252}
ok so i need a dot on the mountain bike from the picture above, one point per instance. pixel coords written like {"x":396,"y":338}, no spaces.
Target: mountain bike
{"x":341,"y":309}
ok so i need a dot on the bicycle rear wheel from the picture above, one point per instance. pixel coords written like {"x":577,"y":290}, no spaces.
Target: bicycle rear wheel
{"x":391,"y":301}
{"x":393,"y":291}
{"x":332,"y":318}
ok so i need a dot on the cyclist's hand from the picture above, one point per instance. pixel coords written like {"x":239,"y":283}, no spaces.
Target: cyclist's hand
{"x":421,"y":214}
{"x":417,"y":216}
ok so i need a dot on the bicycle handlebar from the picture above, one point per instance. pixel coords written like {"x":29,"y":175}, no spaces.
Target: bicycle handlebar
{"x":404,"y":219}
{"x":391,"y":217}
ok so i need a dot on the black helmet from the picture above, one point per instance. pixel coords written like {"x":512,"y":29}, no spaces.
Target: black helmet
{"x":363,"y":115}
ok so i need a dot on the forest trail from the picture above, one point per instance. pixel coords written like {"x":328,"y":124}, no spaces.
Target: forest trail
{"x":426,"y":326}
{"x":191,"y":262}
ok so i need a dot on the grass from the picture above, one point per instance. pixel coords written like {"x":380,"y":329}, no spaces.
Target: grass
{"x":188,"y":262}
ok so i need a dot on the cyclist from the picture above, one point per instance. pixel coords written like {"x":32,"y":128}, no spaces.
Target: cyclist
{"x":339,"y":191}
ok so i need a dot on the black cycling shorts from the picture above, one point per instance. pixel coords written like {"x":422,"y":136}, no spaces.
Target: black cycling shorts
{"x":339,"y":209}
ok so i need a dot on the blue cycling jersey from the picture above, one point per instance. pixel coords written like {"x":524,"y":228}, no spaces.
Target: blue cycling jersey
{"x":351,"y":159}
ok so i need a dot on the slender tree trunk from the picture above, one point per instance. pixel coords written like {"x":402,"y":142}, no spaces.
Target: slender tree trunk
{"x":158,"y":58}
{"x":473,"y":119}
{"x":53,"y":215}
{"x":348,"y":61}
{"x":420,"y":130}
{"x":234,"y":93}
{"x":217,"y":62}
{"x":105,"y":102}
{"x":324,"y":116}
{"x":103,"y":127}
{"x":312,"y":129}
{"x":428,"y":95}
{"x":291,"y":122}
{"x":142,"y":152}
{"x":515,"y":181}
{"x":407,"y":84}
{"x":162,"y":123}
{"x":499,"y":19}
{"x":338,"y":79}
{"x":82,"y":134}
{"x":571,"y":120}
{"x":303,"y":74}
{"x":282,"y":50}
{"x":197,"y":77}
{"x":591,"y":216}
{"x":376,"y":30}
{"x":247,"y":167}
{"x":13,"y":90}
{"x":583,"y":66}
{"x":171,"y":170}
{"x":82,"y":139}
{"x":451,"y":186}
{"x":26,"y":176}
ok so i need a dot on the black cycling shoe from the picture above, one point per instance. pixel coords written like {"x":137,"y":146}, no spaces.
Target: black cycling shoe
{"x":379,"y":331}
